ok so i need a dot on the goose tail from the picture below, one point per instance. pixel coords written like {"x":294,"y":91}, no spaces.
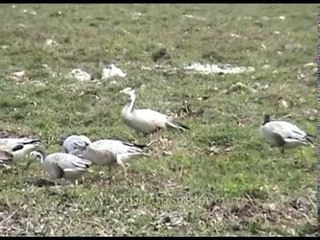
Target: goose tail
{"x":184,"y":127}
{"x":142,"y":146}
{"x":310,"y":139}
{"x":179,"y":126}
{"x":137,"y":145}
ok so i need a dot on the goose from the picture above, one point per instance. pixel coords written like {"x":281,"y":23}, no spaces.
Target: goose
{"x":109,"y":152}
{"x":146,"y":120}
{"x":19,"y":147}
{"x":62,"y":165}
{"x":283,"y":134}
{"x":75,"y":143}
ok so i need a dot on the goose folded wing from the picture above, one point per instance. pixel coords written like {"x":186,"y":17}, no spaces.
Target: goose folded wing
{"x":151,"y":116}
{"x":123,"y":147}
{"x":288,"y":130}
{"x":29,"y":140}
{"x":81,"y":163}
{"x":108,"y":145}
{"x":98,"y":155}
{"x":70,"y":162}
{"x":13,"y":142}
{"x":136,"y":145}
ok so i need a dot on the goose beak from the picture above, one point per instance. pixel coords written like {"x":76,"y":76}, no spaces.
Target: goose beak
{"x":127,"y":90}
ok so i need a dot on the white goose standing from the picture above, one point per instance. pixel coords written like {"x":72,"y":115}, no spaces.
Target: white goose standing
{"x":62,"y":165}
{"x":146,"y":120}
{"x":109,"y":152}
{"x":283,"y":134}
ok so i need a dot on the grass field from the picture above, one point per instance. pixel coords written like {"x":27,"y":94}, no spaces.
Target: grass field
{"x":219,"y":178}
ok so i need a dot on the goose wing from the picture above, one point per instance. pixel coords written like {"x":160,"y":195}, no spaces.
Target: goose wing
{"x":157,"y":119}
{"x":58,"y":163}
{"x":151,"y":117}
{"x":115,"y":146}
{"x":12,"y":142}
{"x":69,"y":161}
{"x":287,"y":130}
{"x":98,"y":152}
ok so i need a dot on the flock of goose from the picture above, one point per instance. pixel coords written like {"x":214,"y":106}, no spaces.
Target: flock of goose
{"x":78,"y":152}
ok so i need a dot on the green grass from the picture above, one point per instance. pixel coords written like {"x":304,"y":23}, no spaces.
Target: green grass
{"x":194,"y":191}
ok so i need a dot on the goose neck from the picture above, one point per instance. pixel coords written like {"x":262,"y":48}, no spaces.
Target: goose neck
{"x":130,"y":105}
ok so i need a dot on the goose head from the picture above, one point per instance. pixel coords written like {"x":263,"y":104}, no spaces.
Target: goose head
{"x":130,"y":92}
{"x":37,"y":155}
{"x":79,"y":145}
{"x":74,"y":142}
{"x":266,"y":119}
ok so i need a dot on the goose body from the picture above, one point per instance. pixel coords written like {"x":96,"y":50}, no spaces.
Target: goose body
{"x":283,"y":134}
{"x":107,"y":152}
{"x":146,"y":120}
{"x":62,"y":165}
{"x":18,"y":147}
{"x":75,"y":143}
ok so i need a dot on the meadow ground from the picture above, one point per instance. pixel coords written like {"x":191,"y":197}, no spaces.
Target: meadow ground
{"x":219,"y":178}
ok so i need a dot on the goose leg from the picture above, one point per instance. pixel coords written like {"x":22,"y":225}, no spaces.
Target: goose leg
{"x":109,"y":172}
{"x":162,"y":142}
{"x":152,"y":142}
{"x":82,"y":179}
{"x":63,"y":182}
{"x":57,"y":183}
{"x":158,"y":133}
{"x":119,"y":162}
{"x":6,"y":166}
{"x":155,"y":135}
